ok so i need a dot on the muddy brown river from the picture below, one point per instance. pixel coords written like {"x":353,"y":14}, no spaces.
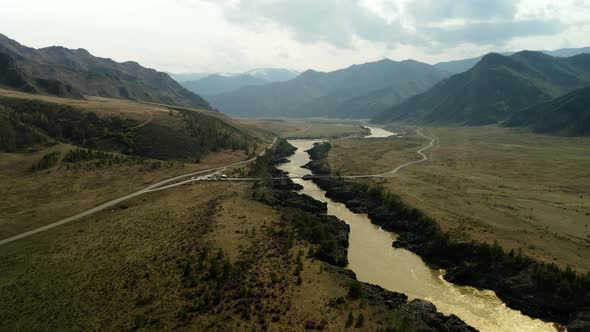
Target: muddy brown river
{"x":374,"y":260}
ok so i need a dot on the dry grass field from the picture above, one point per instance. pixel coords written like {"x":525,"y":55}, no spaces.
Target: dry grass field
{"x":141,"y":266}
{"x":101,"y":106}
{"x":490,"y":183}
{"x":31,"y":200}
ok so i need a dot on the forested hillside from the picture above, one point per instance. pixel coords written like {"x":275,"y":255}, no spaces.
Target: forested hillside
{"x":180,"y":134}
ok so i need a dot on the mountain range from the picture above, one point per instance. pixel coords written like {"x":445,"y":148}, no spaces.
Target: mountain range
{"x":358,"y":91}
{"x":495,"y":89}
{"x":221,"y":83}
{"x":460,"y":66}
{"x":74,"y":73}
{"x":216,"y":84}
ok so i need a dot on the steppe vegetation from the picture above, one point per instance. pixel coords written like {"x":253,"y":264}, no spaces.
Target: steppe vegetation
{"x":528,"y":192}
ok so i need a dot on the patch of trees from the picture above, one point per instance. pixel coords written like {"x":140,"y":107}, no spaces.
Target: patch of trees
{"x":47,"y":161}
{"x":418,"y":223}
{"x":328,"y":235}
{"x":92,"y":159}
{"x":279,"y":151}
{"x":15,"y":136}
{"x":199,"y":135}
{"x":62,"y":122}
{"x":22,"y":120}
{"x":102,"y":159}
{"x":78,"y":155}
{"x":211,"y":133}
{"x":319,"y":151}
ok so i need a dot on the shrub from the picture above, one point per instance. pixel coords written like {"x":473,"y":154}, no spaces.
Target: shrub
{"x":360,"y":321}
{"x":350,"y":320}
{"x":47,"y":161}
{"x":355,"y":289}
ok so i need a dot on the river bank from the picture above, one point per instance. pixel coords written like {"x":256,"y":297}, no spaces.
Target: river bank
{"x":537,"y":290}
{"x":310,"y":218}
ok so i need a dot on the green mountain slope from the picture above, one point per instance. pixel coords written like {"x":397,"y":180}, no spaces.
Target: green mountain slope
{"x":566,"y":115}
{"x":73,"y":73}
{"x":460,"y":66}
{"x":493,"y":90}
{"x":344,"y":93}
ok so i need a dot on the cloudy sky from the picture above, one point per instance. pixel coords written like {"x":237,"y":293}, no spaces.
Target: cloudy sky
{"x":233,"y":35}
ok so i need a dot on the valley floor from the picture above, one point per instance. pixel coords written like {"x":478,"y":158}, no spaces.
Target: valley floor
{"x":489,"y":184}
{"x":34,"y":199}
{"x":200,"y":257}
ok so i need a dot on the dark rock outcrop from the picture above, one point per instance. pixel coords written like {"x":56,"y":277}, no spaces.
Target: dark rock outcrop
{"x":336,"y":254}
{"x":302,"y":201}
{"x":425,"y":317}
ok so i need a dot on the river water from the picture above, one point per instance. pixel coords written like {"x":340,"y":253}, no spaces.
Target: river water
{"x":374,"y":260}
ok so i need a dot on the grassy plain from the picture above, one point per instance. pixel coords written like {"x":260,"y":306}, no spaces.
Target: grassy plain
{"x":137,"y":267}
{"x":31,"y":200}
{"x":490,"y":183}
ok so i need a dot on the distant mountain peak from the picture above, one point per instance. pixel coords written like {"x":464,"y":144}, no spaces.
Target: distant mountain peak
{"x":385,"y":60}
{"x":358,"y":91}
{"x":494,"y":89}
{"x":492,"y":56}
{"x":532,"y":54}
{"x":460,"y":66}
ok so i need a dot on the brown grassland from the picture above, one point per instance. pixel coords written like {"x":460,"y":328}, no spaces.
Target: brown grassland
{"x":196,"y":257}
{"x":33,"y":199}
{"x":489,"y":183}
{"x":143,"y":265}
{"x":137,"y":111}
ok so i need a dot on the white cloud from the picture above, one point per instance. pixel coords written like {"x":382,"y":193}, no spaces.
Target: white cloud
{"x":233,"y":35}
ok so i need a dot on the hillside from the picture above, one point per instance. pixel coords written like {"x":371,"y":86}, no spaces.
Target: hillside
{"x":463,"y":65}
{"x":29,"y":122}
{"x":344,"y":93}
{"x":566,"y":115}
{"x":73,"y":73}
{"x":497,"y":87}
{"x":213,"y":84}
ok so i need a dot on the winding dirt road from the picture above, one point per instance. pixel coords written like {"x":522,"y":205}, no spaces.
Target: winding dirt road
{"x":190,"y":178}
{"x":161,"y":185}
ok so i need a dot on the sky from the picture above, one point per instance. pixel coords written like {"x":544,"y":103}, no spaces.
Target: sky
{"x":193,"y":36}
